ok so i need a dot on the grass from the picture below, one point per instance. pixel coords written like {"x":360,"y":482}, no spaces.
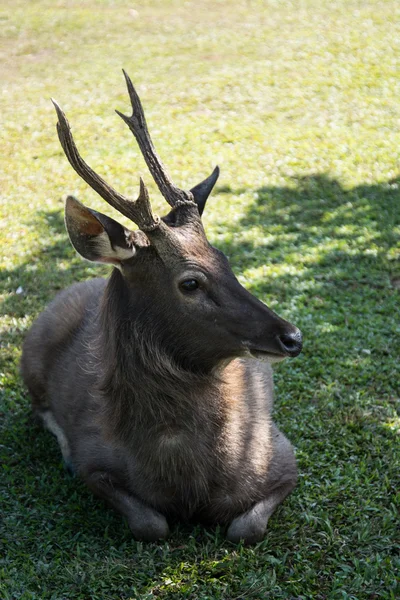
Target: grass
{"x":299,"y":104}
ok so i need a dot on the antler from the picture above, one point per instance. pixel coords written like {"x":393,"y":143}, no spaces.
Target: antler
{"x":137,"y":124}
{"x":138,"y":211}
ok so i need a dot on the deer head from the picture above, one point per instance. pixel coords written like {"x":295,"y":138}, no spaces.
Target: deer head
{"x":169,"y":272}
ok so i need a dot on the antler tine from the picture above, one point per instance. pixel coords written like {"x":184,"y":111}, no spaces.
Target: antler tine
{"x":138,"y":211}
{"x":137,"y":124}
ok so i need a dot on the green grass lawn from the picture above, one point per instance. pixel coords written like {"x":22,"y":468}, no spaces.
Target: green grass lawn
{"x":299,"y":104}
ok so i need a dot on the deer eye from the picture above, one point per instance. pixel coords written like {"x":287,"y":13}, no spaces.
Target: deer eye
{"x":189,"y":285}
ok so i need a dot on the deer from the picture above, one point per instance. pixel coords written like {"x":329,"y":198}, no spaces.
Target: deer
{"x":157,"y":382}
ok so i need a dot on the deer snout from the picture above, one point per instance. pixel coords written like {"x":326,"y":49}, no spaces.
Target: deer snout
{"x":291,"y":342}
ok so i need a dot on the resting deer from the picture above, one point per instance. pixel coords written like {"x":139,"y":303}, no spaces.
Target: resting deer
{"x":157,"y":382}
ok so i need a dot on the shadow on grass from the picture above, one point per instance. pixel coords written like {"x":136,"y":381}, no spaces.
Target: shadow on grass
{"x":340,"y":227}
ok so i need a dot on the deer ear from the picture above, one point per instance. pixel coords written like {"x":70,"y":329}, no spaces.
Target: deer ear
{"x":97,"y":237}
{"x":202,"y":190}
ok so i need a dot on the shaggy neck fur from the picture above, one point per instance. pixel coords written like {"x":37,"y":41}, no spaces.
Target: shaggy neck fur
{"x":143,"y":382}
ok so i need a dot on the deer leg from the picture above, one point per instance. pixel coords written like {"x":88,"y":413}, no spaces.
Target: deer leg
{"x":251,"y":525}
{"x":145,"y":523}
{"x":282,"y":477}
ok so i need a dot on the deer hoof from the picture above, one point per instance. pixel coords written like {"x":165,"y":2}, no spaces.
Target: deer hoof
{"x":248,"y":528}
{"x":150,"y":528}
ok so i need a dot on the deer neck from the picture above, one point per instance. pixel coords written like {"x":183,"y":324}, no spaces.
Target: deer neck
{"x":142,"y":383}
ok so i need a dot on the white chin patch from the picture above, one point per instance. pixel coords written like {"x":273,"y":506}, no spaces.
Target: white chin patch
{"x":265,"y":357}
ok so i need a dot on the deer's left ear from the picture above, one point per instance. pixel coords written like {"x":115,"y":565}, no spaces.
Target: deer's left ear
{"x":99,"y":238}
{"x":202,"y":190}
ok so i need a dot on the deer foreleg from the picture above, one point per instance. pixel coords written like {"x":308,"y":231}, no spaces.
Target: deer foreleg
{"x":250,"y":527}
{"x":145,"y":523}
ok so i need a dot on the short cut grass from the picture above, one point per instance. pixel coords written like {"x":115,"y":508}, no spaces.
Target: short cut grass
{"x":298,"y":102}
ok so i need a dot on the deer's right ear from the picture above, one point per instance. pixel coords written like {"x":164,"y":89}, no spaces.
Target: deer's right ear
{"x":97,"y":237}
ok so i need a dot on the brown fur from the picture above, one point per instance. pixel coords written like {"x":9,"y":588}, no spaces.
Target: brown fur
{"x":188,"y":444}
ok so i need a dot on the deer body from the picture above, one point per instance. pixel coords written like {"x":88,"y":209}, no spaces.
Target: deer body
{"x":152,"y":381}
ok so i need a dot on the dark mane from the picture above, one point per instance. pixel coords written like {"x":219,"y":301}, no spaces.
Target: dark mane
{"x":141,"y":378}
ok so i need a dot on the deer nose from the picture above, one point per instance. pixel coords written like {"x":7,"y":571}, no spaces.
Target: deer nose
{"x":291,"y":343}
